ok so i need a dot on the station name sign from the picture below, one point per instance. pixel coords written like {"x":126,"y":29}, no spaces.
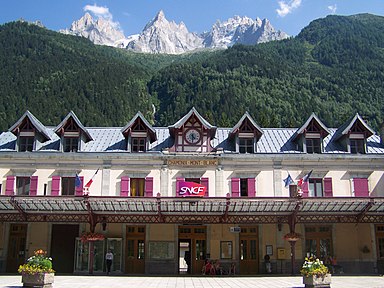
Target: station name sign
{"x":213,"y":162}
{"x":191,"y":189}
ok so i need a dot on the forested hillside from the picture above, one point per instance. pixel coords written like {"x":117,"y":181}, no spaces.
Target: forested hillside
{"x":334,"y":67}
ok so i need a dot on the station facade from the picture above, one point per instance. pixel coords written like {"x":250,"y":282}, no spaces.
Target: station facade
{"x":164,"y":199}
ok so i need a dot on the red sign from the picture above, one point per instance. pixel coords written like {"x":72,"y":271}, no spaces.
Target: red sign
{"x":191,"y":189}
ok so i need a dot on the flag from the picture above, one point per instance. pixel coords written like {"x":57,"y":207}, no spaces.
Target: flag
{"x":288,"y":181}
{"x":304,"y":179}
{"x":86,"y":186}
{"x":77,"y":181}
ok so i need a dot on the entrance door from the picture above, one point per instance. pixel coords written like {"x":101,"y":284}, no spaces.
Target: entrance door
{"x":16,"y":247}
{"x":249,"y":251}
{"x":380,"y":248}
{"x":318,"y":242}
{"x":135,"y":255}
{"x":63,"y":246}
{"x":192,"y":249}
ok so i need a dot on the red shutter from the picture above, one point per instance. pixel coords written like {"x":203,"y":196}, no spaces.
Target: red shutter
{"x":79,"y":190}
{"x":33,"y":186}
{"x":205,"y":182}
{"x":124,"y":186}
{"x":251,"y":187}
{"x":55,"y":188}
{"x":360,"y":186}
{"x":235,"y":187}
{"x":305,"y":189}
{"x":178,"y":180}
{"x":148,"y":187}
{"x":10,"y":185}
{"x":328,"y":187}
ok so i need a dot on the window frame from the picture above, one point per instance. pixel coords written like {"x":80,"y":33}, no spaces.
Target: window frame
{"x":312,"y":147}
{"x":246,"y":145}
{"x":357,"y":146}
{"x":72,"y":146}
{"x":67,"y":183}
{"x":25,"y":185}
{"x":26,"y":143}
{"x":140,"y":145}
{"x":313,"y":182}
{"x":137,"y":187}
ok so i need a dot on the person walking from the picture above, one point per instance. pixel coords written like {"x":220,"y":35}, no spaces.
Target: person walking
{"x":109,"y":260}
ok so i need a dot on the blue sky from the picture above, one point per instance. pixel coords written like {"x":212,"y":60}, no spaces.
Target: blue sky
{"x":198,"y":15}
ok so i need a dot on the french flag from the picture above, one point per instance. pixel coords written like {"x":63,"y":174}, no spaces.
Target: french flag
{"x":89,"y":183}
{"x":304,"y":179}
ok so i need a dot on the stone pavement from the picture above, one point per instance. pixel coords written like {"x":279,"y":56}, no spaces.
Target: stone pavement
{"x":72,"y":281}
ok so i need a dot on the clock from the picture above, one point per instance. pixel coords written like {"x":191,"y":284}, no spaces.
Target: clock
{"x":192,"y":136}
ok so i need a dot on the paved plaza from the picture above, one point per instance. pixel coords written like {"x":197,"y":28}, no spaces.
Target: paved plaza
{"x":196,"y":282}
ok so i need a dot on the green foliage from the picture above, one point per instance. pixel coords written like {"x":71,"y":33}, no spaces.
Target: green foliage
{"x":312,"y":266}
{"x":334,"y":67}
{"x":38,"y":263}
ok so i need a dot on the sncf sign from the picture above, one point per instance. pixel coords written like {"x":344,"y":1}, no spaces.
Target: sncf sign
{"x":191,"y":189}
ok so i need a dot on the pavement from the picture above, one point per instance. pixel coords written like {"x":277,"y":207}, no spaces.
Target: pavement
{"x":73,"y":281}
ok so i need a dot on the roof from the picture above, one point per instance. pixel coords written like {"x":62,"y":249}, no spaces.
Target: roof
{"x":141,"y":116}
{"x":184,"y":119}
{"x":35,"y":122}
{"x":241,"y":121}
{"x":347,"y":126}
{"x":72,"y":115}
{"x":242,"y":209}
{"x":302,"y":129}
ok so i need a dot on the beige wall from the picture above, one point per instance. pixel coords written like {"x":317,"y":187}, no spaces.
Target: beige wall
{"x":38,"y":237}
{"x":161,"y":232}
{"x":218,"y":233}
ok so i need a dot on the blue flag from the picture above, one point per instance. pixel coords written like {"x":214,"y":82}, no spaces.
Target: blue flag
{"x":77,"y":181}
{"x":288,"y":181}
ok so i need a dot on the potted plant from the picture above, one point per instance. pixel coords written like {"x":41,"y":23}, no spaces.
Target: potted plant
{"x":292,"y":236}
{"x":315,"y":273}
{"x":91,"y":236}
{"x":37,"y":272}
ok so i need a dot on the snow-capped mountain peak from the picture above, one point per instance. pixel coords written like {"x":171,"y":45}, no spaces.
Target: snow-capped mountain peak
{"x":162,"y":36}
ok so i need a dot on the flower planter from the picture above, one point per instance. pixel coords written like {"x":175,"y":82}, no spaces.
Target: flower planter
{"x":43,"y":280}
{"x":313,"y":281}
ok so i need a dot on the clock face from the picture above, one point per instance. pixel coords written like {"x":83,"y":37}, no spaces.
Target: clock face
{"x":192,"y":136}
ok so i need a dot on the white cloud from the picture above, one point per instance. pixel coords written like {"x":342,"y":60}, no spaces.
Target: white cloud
{"x":102,"y":12}
{"x":332,"y":8}
{"x":287,"y":7}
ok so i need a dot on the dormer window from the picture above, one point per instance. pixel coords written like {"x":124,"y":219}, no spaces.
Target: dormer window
{"x":313,"y":145}
{"x":138,"y":144}
{"x":246,"y":145}
{"x":71,"y":136}
{"x":26,"y":136}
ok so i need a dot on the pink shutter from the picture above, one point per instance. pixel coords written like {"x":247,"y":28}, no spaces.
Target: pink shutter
{"x":328,"y":187}
{"x":33,"y":186}
{"x":305,"y":189}
{"x":235,"y":187}
{"x":10,"y":185}
{"x":178,"y":180}
{"x":360,"y":186}
{"x":205,"y":182}
{"x":124,"y":186}
{"x":251,"y":187}
{"x":148,"y":187}
{"x":79,"y":190}
{"x":55,"y":188}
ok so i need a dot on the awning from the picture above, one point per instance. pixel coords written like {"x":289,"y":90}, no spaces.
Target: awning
{"x":193,"y":210}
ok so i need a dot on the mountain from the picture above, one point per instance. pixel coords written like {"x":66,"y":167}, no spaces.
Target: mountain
{"x":163,"y":36}
{"x":241,"y":30}
{"x":333,"y":68}
{"x":100,"y":31}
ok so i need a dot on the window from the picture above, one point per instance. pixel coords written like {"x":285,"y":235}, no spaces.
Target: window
{"x":26,"y":143}
{"x":315,"y":188}
{"x":137,"y":187}
{"x":243,"y":187}
{"x":357,"y":146}
{"x":313,"y":145}
{"x":71,"y":144}
{"x":138,"y":145}
{"x":68,"y":186}
{"x":23,"y":185}
{"x":318,"y":242}
{"x":246,"y":145}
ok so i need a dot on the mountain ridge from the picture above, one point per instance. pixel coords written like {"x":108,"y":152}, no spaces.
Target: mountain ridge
{"x":162,"y":36}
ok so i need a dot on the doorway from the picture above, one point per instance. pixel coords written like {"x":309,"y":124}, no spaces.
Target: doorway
{"x":16,"y":247}
{"x":135,"y":252}
{"x":249,"y":251}
{"x":192,"y":249}
{"x":380,"y":248}
{"x":63,"y":246}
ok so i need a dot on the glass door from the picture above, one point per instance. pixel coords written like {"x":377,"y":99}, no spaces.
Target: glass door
{"x":82,"y":256}
{"x":135,"y":253}
{"x":115,"y":246}
{"x":16,"y":247}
